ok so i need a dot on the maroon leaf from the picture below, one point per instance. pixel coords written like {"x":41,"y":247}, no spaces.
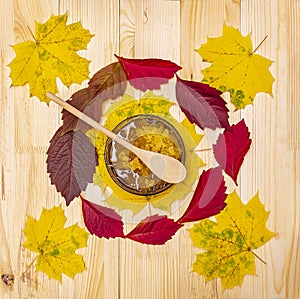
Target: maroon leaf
{"x":101,"y":221}
{"x":110,"y":82}
{"x":146,"y":74}
{"x":82,"y":100}
{"x":202,"y":104}
{"x":209,"y":196}
{"x":155,"y":230}
{"x":71,"y":163}
{"x":107,"y":83}
{"x":231,"y":148}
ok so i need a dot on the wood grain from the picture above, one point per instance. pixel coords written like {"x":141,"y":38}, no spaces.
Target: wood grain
{"x":292,"y":30}
{"x":170,"y":30}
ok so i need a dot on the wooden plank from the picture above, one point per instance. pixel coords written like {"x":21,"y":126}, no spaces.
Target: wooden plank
{"x":22,"y":163}
{"x":150,"y":29}
{"x":102,"y":19}
{"x":196,"y":25}
{"x":292,"y":30}
{"x":270,"y":167}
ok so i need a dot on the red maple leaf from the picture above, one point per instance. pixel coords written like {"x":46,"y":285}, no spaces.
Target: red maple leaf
{"x":202,"y":104}
{"x":209,"y":196}
{"x":146,"y":74}
{"x":231,"y":148}
{"x":71,"y":163}
{"x":155,"y":230}
{"x":101,"y":221}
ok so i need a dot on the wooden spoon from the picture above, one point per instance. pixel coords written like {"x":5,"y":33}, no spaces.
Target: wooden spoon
{"x":164,"y":167}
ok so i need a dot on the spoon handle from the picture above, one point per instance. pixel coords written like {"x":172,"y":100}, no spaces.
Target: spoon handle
{"x":88,"y":120}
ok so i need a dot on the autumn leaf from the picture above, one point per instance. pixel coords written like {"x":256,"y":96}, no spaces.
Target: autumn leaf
{"x":108,"y":83}
{"x":150,"y":73}
{"x":84,"y":101}
{"x":231,"y":148}
{"x":55,"y":244}
{"x":71,"y":163}
{"x":155,"y":230}
{"x":51,"y":55}
{"x":235,"y":67}
{"x":202,"y":104}
{"x":101,"y":221}
{"x":229,"y":242}
{"x":209,"y":196}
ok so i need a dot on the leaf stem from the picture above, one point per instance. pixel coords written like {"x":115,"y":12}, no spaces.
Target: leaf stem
{"x":28,"y":267}
{"x":148,"y":198}
{"x":259,"y":44}
{"x":259,"y":257}
{"x":31,"y":33}
{"x":203,"y":150}
{"x":149,"y":206}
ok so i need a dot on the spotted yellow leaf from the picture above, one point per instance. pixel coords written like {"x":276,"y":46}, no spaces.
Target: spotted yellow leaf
{"x":235,"y":67}
{"x":52,"y":54}
{"x":229,"y":242}
{"x":55,"y":244}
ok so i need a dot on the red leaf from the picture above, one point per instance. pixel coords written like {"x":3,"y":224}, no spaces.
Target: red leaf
{"x":209,"y":196}
{"x":71,"y":163}
{"x":231,"y":148}
{"x":101,"y":221}
{"x":108,"y":83}
{"x":155,"y":230}
{"x":146,"y":74}
{"x":202,"y":104}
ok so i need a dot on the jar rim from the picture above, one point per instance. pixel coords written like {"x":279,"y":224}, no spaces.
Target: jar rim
{"x":117,"y":129}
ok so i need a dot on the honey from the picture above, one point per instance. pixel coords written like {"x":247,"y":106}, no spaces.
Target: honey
{"x":148,"y":132}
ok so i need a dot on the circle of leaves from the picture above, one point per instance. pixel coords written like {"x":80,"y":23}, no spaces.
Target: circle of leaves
{"x":201,"y":104}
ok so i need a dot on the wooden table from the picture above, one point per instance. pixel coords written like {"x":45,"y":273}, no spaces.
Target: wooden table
{"x":169,"y":30}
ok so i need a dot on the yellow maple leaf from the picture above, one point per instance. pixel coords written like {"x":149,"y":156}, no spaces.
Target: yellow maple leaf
{"x":55,"y":244}
{"x":229,"y":242}
{"x":235,"y":67}
{"x":52,"y":54}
